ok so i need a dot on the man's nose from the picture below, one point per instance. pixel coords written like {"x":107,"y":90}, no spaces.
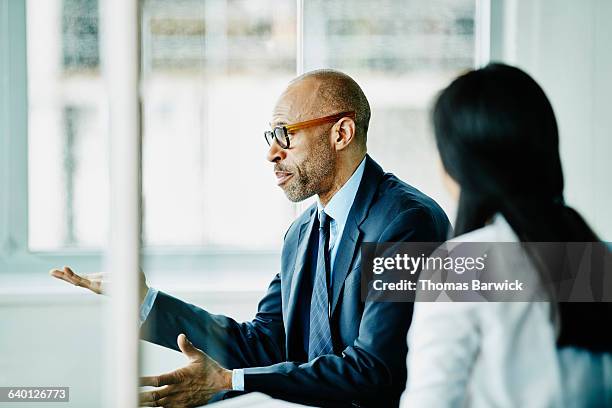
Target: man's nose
{"x":276,"y":153}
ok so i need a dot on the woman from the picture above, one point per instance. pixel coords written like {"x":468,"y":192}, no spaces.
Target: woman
{"x":498,"y":141}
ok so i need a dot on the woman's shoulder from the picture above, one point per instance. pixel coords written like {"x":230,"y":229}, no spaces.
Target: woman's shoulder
{"x":497,"y":231}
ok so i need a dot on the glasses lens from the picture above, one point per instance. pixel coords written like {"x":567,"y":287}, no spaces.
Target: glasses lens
{"x":280,"y":135}
{"x":269,"y":137}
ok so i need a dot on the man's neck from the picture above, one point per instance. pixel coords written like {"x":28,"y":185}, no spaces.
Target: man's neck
{"x":345,"y":171}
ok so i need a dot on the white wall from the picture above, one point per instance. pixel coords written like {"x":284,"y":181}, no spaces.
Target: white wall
{"x":566,"y":46}
{"x":56,"y":338}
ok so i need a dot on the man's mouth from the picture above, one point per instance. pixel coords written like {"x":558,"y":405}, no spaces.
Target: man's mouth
{"x":282,"y":177}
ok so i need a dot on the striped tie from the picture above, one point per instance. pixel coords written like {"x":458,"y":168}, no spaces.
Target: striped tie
{"x":320,"y":340}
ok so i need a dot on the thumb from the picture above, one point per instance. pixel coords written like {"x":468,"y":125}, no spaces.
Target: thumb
{"x":188,"y":349}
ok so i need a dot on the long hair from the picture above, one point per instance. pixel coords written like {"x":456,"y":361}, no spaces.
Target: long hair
{"x":498,"y":138}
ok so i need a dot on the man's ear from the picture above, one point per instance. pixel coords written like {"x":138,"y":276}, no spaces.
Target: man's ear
{"x":344,"y":133}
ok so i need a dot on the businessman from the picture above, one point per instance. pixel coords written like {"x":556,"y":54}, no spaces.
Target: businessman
{"x":313,"y":339}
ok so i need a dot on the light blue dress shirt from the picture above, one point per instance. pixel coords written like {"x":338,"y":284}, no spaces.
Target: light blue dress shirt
{"x":338,"y":209}
{"x":147,"y":304}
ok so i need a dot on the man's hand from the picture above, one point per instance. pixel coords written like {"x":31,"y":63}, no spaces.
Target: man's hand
{"x":96,"y":282}
{"x":190,"y":386}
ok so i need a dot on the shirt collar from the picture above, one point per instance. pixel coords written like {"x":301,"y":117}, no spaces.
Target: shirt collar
{"x":340,"y":204}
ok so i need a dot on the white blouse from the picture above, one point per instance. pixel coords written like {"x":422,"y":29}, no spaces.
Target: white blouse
{"x":498,"y":354}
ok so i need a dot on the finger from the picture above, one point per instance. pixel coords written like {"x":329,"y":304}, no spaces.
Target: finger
{"x":159,"y":380}
{"x":149,"y":396}
{"x":188,"y":348}
{"x":57,"y":273}
{"x":63,"y":275}
{"x":70,"y":275}
{"x":77,"y":279}
{"x":164,"y":402}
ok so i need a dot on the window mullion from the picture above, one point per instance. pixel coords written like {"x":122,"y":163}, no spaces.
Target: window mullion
{"x":299,"y":36}
{"x":13,"y":126}
{"x":482,"y":32}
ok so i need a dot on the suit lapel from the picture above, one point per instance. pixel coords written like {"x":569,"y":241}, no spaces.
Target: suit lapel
{"x":297,"y":276}
{"x":352,"y":234}
{"x":344,"y":258}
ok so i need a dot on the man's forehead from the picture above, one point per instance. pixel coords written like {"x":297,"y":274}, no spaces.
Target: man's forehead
{"x":297,"y":103}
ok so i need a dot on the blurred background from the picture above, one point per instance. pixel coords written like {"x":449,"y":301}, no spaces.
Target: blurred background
{"x":211,"y":73}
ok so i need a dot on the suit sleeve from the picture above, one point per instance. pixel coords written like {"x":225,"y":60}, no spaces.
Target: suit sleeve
{"x":232,"y":344}
{"x":373,"y":367}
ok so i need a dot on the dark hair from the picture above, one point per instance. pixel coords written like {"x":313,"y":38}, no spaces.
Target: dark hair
{"x":497,"y":136}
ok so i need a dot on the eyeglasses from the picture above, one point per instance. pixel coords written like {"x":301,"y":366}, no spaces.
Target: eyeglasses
{"x":281,"y":133}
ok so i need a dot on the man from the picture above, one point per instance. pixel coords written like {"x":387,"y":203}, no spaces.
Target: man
{"x":313,"y":339}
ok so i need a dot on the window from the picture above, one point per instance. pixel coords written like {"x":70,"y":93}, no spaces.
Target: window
{"x":67,"y":136}
{"x":80,"y":34}
{"x":211,"y":73}
{"x":402,"y":53}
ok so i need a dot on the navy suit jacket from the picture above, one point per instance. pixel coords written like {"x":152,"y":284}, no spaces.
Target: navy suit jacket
{"x":368,"y":367}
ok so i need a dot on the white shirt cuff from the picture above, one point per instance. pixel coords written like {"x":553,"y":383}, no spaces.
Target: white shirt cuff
{"x":147,"y":304}
{"x":238,"y":379}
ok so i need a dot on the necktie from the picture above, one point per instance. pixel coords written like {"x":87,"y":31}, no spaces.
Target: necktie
{"x":320,"y":341}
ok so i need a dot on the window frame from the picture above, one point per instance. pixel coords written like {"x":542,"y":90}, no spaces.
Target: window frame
{"x":13,"y":131}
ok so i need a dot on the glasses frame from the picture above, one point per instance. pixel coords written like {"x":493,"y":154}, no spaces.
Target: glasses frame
{"x":271,"y":135}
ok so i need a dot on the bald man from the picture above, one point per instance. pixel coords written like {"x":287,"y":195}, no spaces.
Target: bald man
{"x":313,"y":339}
